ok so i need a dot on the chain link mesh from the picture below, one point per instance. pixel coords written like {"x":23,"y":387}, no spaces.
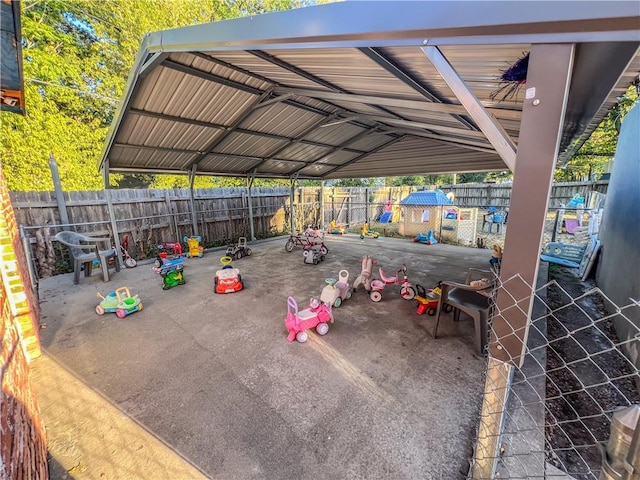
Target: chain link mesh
{"x":551,"y":417}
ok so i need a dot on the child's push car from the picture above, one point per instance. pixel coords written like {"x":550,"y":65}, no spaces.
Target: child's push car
{"x":317,"y":316}
{"x":334,"y":293}
{"x":121,"y":302}
{"x":240,"y":250}
{"x":228,"y":278}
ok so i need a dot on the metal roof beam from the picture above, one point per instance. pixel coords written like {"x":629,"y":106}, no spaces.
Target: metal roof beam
{"x":342,"y":146}
{"x":293,"y":141}
{"x":422,"y":126}
{"x":390,"y":66}
{"x":210,"y":76}
{"x":376,"y":100}
{"x":377,"y":149}
{"x":173,"y":118}
{"x":489,"y":125}
{"x":243,"y":116}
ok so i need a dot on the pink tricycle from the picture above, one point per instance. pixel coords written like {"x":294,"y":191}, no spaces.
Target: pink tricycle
{"x":407,"y":291}
{"x":317,"y":315}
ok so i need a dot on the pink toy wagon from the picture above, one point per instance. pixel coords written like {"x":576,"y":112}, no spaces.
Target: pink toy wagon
{"x":317,"y":315}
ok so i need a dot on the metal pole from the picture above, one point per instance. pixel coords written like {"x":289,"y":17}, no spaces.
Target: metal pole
{"x":321,"y":226}
{"x":543,"y":111}
{"x":57,"y":187}
{"x":292,"y":208}
{"x":112,"y":214}
{"x":192,"y":203}
{"x":249,"y":185}
{"x":632,"y":462}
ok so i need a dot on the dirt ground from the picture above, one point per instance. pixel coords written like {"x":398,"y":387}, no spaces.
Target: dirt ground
{"x":588,"y":377}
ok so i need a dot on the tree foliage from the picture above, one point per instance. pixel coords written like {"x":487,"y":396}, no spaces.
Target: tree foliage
{"x":77,"y":56}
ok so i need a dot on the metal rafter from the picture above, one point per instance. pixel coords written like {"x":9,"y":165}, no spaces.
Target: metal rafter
{"x":243,"y":116}
{"x":309,"y":76}
{"x":370,"y":152}
{"x":200,"y":123}
{"x":489,"y":125}
{"x":390,"y":66}
{"x":342,"y":146}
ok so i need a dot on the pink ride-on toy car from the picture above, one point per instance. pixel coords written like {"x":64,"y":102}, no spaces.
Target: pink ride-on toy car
{"x":317,"y":315}
{"x":335,"y":292}
{"x":407,"y":291}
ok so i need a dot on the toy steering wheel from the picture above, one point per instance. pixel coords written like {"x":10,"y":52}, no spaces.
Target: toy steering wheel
{"x":226,"y":260}
{"x":330,"y":281}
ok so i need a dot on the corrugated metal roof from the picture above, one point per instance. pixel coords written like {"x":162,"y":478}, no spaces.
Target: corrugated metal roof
{"x":331,"y":92}
{"x":426,"y":198}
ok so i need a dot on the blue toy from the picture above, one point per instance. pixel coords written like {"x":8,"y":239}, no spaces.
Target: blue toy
{"x":428,"y":239}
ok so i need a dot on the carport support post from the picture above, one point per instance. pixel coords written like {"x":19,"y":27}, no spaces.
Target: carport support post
{"x":112,"y":214}
{"x":192,"y":203}
{"x":292,"y":208}
{"x":321,"y":226}
{"x":547,"y":90}
{"x":547,"y":86}
{"x":250,"y":180}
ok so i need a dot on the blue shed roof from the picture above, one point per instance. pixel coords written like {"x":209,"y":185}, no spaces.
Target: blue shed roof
{"x":433,"y":197}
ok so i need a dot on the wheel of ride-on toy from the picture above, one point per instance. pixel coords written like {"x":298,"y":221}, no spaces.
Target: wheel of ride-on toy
{"x":348,"y":294}
{"x":238,"y":255}
{"x":375,"y":296}
{"x":338,"y":302}
{"x":99,"y":310}
{"x":302,"y":336}
{"x":322,"y":258}
{"x":248,"y":252}
{"x":431,"y":312}
{"x":324,"y":250}
{"x":322,"y":328}
{"x":407,"y":293}
{"x":121,"y":313}
{"x":130,"y":262}
{"x":140,"y":306}
{"x":289,"y":246}
{"x":315,"y":261}
{"x":447,"y":308}
{"x":157,"y":263}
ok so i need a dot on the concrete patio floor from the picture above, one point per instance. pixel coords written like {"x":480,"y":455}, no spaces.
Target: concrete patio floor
{"x":211,"y":379}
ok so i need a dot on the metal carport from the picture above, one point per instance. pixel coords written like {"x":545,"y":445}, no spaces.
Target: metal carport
{"x":364,"y":89}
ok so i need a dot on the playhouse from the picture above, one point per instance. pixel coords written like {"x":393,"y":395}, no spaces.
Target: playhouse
{"x":422,"y":211}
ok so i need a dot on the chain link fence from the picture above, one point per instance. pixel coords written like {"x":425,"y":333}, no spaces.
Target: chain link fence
{"x":551,"y":418}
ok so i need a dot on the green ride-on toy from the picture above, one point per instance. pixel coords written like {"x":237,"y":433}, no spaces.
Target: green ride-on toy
{"x":121,"y":302}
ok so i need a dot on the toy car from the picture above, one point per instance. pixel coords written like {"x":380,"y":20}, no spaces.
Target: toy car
{"x":428,"y":300}
{"x":335,"y":292}
{"x":365,"y":232}
{"x":171,"y":272}
{"x":317,"y":316}
{"x":228,"y":279}
{"x":194,"y":249}
{"x":335,"y":229}
{"x":120,"y":301}
{"x":313,"y":255}
{"x":240,"y":250}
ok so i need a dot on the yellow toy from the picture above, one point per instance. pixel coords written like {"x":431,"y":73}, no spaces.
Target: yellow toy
{"x":334,"y":229}
{"x":194,"y":249}
{"x":365,"y":232}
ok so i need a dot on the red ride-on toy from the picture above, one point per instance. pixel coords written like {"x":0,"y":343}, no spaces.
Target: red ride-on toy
{"x":407,"y":291}
{"x":228,"y":278}
{"x":317,"y":315}
{"x":428,"y":300}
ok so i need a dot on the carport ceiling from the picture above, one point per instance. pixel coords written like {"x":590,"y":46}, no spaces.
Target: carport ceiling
{"x":346,"y":90}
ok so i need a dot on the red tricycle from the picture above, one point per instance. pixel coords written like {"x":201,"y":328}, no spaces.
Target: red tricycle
{"x":317,"y":315}
{"x":428,"y":300}
{"x":406,"y":291}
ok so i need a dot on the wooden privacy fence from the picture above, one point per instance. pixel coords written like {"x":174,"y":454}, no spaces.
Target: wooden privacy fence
{"x":499,"y":194}
{"x":151,"y":217}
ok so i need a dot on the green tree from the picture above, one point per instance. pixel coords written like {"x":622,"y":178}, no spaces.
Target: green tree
{"x":77,"y":56}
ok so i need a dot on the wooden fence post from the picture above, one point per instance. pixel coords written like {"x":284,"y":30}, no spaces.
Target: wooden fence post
{"x":57,"y":187}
